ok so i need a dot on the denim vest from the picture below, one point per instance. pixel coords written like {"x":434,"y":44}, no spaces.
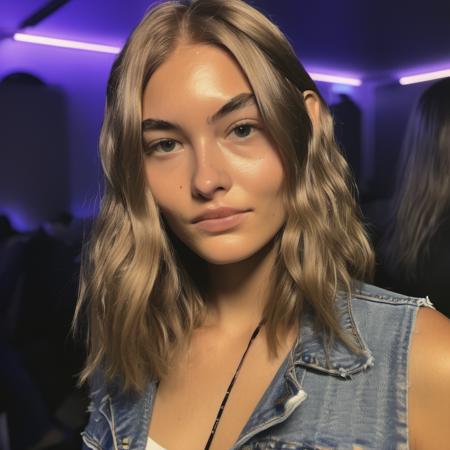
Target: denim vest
{"x":352,"y":401}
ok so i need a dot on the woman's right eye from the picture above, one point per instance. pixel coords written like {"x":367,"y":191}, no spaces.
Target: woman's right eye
{"x":162,"y":146}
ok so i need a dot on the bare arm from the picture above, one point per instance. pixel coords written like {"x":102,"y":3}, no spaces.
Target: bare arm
{"x":429,"y":382}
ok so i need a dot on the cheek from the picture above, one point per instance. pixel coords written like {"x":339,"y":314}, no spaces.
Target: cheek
{"x":169,"y":194}
{"x":265,"y":178}
{"x":269,"y":183}
{"x":165,"y":189}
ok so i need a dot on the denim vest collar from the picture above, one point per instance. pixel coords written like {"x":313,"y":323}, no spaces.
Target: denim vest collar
{"x":129,"y":431}
{"x":285,"y":394}
{"x":309,"y":350}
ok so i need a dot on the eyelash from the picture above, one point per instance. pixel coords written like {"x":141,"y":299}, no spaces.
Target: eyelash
{"x":151,"y":148}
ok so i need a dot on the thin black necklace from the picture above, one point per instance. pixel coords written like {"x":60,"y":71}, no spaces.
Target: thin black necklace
{"x":224,"y":401}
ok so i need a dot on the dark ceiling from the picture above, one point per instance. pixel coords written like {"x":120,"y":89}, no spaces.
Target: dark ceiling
{"x":367,"y":38}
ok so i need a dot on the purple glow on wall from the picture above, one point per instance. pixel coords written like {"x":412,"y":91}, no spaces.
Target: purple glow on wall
{"x":82,"y":76}
{"x":19,"y":219}
{"x":342,"y":89}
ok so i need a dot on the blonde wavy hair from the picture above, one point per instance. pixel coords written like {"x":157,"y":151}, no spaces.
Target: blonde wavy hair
{"x":140,"y":287}
{"x":421,"y":200}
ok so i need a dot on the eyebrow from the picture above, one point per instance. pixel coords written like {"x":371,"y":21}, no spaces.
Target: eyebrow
{"x":238,"y":102}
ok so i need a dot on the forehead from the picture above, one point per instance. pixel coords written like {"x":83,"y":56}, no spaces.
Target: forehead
{"x":191,"y":74}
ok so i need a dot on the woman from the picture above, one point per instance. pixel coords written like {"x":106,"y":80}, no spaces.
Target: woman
{"x":220,"y":283}
{"x":415,"y":248}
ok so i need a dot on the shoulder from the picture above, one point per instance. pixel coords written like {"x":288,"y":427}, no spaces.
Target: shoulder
{"x":428,"y":379}
{"x":388,"y":319}
{"x":426,"y":334}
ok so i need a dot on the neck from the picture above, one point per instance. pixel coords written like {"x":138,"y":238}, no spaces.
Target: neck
{"x":238,"y":292}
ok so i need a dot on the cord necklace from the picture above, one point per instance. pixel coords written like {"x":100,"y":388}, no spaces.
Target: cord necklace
{"x":225,"y":399}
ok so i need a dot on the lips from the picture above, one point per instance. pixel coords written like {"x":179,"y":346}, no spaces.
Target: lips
{"x":217,"y":213}
{"x":220,"y":220}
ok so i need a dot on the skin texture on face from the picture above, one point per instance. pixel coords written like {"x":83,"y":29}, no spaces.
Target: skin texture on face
{"x":197,"y":160}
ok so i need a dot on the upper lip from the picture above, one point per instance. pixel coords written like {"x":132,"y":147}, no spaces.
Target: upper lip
{"x":217,"y":213}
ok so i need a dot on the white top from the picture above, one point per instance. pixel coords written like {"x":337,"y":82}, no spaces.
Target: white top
{"x":152,"y":445}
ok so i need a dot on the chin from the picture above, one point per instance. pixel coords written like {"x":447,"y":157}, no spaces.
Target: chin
{"x":229,"y":251}
{"x":223,"y":259}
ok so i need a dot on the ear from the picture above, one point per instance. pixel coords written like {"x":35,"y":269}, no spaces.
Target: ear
{"x":312,"y":103}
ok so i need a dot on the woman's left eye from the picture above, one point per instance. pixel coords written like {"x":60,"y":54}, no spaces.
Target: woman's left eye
{"x":243,"y":130}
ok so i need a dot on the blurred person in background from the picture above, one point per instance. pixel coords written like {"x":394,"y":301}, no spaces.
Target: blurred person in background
{"x":414,"y":249}
{"x":38,"y":361}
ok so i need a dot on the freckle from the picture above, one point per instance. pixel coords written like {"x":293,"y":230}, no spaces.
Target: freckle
{"x":181,"y":187}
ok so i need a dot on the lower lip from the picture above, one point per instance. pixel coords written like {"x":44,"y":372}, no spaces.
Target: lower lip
{"x":222,"y":224}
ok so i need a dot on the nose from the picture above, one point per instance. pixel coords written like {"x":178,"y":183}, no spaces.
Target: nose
{"x":210,"y":172}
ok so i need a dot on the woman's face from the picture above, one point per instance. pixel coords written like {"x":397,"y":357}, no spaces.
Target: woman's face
{"x":207,"y":153}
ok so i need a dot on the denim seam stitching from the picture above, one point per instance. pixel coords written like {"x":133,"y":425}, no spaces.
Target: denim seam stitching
{"x":391,"y":300}
{"x":90,"y":441}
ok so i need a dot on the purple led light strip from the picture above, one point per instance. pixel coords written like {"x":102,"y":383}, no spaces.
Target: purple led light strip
{"x":425,"y":76}
{"x":65,"y":43}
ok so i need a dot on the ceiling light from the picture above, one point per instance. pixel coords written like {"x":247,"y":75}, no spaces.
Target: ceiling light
{"x":425,"y":76}
{"x":43,"y":40}
{"x":335,"y":79}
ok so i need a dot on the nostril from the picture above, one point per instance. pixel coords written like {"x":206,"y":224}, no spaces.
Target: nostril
{"x":206,"y":185}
